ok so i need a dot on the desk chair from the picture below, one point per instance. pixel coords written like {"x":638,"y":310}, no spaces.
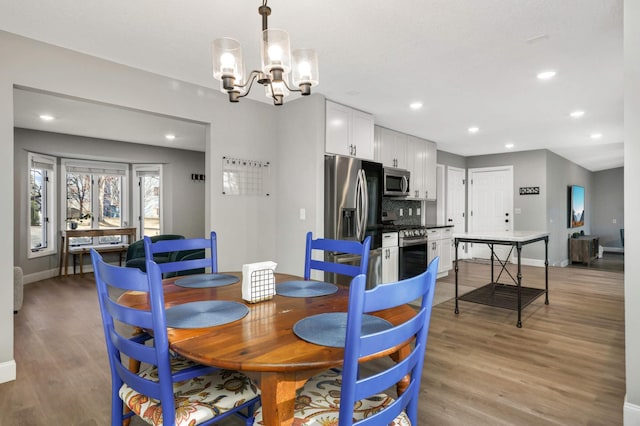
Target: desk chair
{"x":342,"y":399}
{"x":187,"y":255}
{"x":170,"y":390}
{"x":333,"y":264}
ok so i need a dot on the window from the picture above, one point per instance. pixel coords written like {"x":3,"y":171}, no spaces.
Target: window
{"x":41,"y":210}
{"x":95,"y":198}
{"x":147,"y":204}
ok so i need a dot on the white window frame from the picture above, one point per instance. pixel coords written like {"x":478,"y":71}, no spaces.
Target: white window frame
{"x":95,"y":167}
{"x":137,"y":195}
{"x":50,"y":206}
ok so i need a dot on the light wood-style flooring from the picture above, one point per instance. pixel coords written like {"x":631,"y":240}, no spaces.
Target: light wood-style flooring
{"x":564,"y":367}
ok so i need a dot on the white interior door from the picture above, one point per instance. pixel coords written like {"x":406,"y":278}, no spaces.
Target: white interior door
{"x":491,"y":197}
{"x":456,"y":204}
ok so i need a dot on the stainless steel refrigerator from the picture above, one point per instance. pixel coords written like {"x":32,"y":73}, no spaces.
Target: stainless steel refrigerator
{"x":353,"y":210}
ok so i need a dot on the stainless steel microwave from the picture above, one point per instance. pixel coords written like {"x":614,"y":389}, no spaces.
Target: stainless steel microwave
{"x":396,"y":182}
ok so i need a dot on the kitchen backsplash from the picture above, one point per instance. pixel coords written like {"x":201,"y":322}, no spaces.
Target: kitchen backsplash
{"x":394,"y":205}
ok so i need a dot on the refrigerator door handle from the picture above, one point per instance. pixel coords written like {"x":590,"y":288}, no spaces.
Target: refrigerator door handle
{"x":359,"y":201}
{"x":365,"y":212}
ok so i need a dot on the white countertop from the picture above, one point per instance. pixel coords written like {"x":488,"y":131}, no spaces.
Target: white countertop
{"x":506,"y":236}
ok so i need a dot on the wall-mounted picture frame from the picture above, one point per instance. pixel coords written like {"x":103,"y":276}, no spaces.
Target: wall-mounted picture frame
{"x":576,"y":206}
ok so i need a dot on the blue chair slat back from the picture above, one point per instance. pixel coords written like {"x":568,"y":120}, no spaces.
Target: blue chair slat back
{"x":384,"y":296}
{"x":121,"y":278}
{"x":336,"y":246}
{"x":184,"y":257}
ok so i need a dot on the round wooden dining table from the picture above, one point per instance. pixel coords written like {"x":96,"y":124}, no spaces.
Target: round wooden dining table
{"x":263,"y":344}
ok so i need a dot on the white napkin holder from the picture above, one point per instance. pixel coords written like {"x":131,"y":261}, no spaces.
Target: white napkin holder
{"x":258,"y":281}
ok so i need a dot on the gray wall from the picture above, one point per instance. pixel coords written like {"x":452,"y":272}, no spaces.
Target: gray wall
{"x":562,"y":173}
{"x":178,"y":186}
{"x":528,"y":170}
{"x":607,"y":206}
{"x":301,"y":135}
{"x":448,"y":159}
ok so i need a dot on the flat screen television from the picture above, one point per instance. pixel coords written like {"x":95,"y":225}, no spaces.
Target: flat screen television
{"x":576,"y":206}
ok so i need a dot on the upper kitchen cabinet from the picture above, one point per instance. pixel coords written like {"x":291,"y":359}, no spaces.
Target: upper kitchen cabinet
{"x":348,"y":131}
{"x":391,"y":148}
{"x":421,"y":159}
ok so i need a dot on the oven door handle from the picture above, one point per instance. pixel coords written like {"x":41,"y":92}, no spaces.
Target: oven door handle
{"x":414,"y":243}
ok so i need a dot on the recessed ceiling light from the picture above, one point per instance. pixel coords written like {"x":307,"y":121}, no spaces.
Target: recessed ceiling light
{"x":546,"y":75}
{"x":170,"y":137}
{"x":509,"y":145}
{"x":596,"y":135}
{"x":415,"y":105}
{"x":577,"y":114}
{"x":473,"y":129}
{"x":46,"y":117}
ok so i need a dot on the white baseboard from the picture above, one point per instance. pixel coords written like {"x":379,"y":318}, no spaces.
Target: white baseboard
{"x":38,"y":276}
{"x":630,"y":413}
{"x":7,"y":371}
{"x":531,"y":262}
{"x":43,"y":275}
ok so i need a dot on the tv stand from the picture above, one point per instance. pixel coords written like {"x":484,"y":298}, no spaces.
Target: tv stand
{"x":583,"y":249}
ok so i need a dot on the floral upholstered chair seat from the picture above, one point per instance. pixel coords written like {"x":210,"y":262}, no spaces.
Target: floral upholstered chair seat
{"x":197,"y":399}
{"x":318,"y":403}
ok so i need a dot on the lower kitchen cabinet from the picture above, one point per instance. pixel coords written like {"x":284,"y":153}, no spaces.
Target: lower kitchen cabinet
{"x":439,"y":244}
{"x":390,"y":257}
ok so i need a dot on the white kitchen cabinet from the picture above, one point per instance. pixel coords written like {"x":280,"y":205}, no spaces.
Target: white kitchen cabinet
{"x":430,"y":166}
{"x":439,"y":244}
{"x":390,"y":257}
{"x":421,"y":161}
{"x":348,"y":131}
{"x":391,"y":148}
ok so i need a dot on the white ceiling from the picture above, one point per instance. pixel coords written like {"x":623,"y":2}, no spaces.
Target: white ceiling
{"x":471,"y":62}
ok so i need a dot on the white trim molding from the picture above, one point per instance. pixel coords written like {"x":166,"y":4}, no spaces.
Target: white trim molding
{"x":631,"y":413}
{"x":7,"y":371}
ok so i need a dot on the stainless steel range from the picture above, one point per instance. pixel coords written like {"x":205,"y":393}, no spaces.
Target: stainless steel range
{"x":412,"y":243}
{"x":412,"y":236}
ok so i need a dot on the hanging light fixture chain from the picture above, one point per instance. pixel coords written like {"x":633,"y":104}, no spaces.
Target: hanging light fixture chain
{"x":264,"y":11}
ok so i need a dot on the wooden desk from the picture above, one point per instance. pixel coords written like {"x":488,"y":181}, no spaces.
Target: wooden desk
{"x":262,"y":344}
{"x":66,"y":234}
{"x":514,"y":297}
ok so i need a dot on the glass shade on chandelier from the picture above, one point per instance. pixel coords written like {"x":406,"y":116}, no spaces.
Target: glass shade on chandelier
{"x":278,"y":63}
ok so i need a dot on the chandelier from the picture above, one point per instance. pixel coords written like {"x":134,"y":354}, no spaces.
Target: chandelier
{"x":278,"y":62}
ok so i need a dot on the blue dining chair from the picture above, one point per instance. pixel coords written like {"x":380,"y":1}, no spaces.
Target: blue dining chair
{"x":337,"y":247}
{"x":350,"y":396}
{"x":169,"y":390}
{"x":187,"y":255}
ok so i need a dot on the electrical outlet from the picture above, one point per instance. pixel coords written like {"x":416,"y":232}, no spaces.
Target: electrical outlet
{"x":303,"y":214}
{"x":401,"y":212}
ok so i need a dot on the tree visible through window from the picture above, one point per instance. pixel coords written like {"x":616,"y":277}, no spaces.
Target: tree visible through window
{"x":94,"y":198}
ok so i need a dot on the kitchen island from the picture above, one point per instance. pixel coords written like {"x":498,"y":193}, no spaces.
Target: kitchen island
{"x":506,"y":296}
